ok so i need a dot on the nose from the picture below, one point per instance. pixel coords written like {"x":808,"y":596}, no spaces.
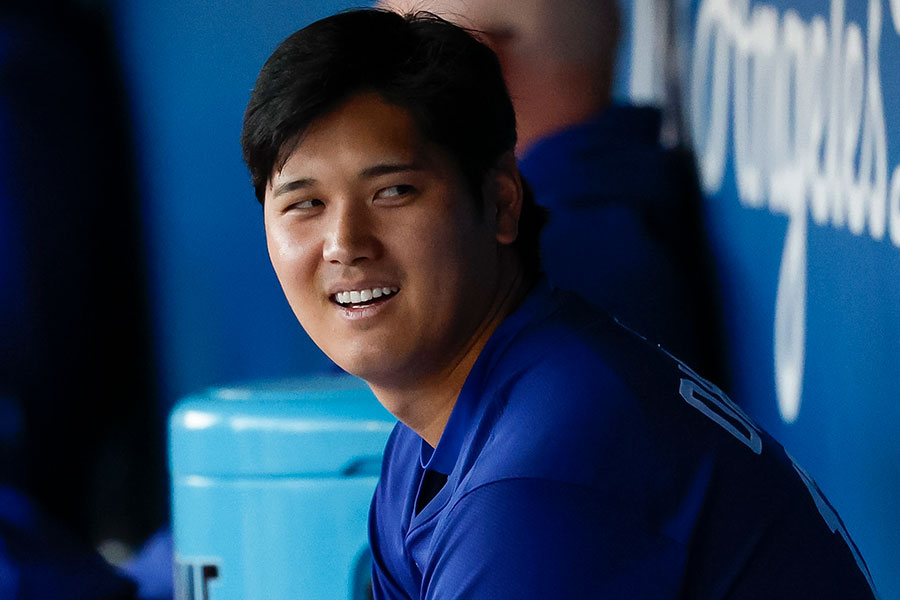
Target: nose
{"x":351,"y":237}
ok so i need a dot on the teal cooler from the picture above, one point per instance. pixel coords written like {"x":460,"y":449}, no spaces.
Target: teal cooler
{"x":271,"y":489}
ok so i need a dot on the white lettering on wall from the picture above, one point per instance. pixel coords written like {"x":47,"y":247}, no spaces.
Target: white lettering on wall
{"x":809,"y":138}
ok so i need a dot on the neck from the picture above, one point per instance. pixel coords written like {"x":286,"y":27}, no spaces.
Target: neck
{"x":425,"y":405}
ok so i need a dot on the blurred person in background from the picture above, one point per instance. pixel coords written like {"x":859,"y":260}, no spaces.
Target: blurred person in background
{"x":619,"y":200}
{"x":81,"y":434}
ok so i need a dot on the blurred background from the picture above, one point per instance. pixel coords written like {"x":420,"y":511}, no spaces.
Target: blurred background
{"x":133,"y":268}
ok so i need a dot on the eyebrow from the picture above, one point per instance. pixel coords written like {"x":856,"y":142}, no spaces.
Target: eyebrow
{"x":290,"y":186}
{"x":389,"y":168}
{"x":367,"y":173}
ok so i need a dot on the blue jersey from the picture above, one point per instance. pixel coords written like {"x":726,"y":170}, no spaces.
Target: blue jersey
{"x":582,"y":462}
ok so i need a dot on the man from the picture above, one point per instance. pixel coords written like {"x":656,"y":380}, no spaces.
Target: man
{"x":544,"y":451}
{"x":619,"y":199}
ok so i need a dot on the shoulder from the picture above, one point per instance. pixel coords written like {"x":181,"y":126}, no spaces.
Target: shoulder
{"x":582,"y":399}
{"x":562,"y":401}
{"x":580,"y":363}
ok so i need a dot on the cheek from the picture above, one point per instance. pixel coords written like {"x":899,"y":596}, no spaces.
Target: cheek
{"x":455,"y":263}
{"x":292,"y":252}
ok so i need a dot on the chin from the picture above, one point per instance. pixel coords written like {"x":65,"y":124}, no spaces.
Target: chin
{"x":364,"y":365}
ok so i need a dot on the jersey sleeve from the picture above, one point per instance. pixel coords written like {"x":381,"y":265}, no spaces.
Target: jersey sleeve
{"x":534,"y":538}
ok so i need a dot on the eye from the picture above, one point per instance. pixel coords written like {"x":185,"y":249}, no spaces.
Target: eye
{"x":394,"y":192}
{"x":304,"y":205}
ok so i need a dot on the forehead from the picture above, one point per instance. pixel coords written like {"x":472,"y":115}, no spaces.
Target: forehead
{"x":360,"y":130}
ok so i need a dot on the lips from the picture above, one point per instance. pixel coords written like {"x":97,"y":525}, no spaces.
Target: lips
{"x":363,"y":297}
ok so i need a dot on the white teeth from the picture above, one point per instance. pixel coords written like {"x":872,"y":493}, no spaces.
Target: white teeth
{"x":357,"y":296}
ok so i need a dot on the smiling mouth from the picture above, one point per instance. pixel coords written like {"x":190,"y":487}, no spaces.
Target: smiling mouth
{"x":362,"y":298}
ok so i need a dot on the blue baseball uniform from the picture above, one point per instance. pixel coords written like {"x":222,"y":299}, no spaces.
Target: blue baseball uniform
{"x":582,"y":462}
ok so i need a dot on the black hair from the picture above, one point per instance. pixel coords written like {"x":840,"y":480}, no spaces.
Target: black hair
{"x":450,"y":83}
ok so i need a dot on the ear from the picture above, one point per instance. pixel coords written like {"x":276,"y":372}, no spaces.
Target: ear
{"x":503,"y":197}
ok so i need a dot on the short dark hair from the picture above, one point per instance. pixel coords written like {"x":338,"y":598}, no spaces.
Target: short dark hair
{"x":450,"y":83}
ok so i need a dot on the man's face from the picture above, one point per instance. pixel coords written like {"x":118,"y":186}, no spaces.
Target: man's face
{"x":384,"y":256}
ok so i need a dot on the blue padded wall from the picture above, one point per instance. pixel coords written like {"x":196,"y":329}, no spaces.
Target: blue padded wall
{"x":793,"y":109}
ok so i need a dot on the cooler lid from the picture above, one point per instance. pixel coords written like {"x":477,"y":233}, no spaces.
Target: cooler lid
{"x":328,"y":425}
